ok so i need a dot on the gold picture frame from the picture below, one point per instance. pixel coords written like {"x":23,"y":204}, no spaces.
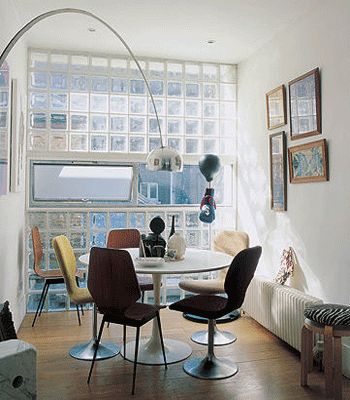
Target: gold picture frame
{"x":276,"y":107}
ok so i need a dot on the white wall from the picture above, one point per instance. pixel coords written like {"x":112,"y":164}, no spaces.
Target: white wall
{"x":317,"y":223}
{"x":12,"y":206}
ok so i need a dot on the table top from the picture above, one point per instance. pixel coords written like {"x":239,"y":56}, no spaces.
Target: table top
{"x":196,"y":260}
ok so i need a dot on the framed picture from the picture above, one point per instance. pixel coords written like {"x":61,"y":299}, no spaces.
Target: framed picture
{"x":308,"y":162}
{"x":305,"y":105}
{"x":276,"y":107}
{"x":278,"y":171}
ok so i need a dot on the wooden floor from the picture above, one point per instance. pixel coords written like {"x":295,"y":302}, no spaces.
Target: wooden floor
{"x":269,"y":369}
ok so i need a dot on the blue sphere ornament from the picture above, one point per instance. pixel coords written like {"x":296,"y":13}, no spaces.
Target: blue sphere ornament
{"x":209,"y":165}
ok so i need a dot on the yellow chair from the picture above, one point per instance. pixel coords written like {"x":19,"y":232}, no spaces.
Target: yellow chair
{"x":229,"y":242}
{"x":67,"y":263}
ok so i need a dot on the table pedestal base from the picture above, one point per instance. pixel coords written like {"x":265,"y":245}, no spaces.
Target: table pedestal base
{"x":85,"y":351}
{"x":175,"y":351}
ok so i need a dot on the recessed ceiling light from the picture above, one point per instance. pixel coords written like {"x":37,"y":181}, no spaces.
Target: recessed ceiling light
{"x":211,"y":41}
{"x":91,"y":29}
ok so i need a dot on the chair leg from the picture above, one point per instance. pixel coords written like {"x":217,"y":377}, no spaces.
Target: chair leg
{"x":124,"y":339}
{"x":44,"y":298}
{"x":39,"y":304}
{"x":96,"y":348}
{"x":328,"y":360}
{"x":305,"y":354}
{"x":142,"y":296}
{"x":338,"y":375}
{"x":82,"y":309}
{"x":79,"y":320}
{"x":135,"y":359}
{"x":161,"y":339}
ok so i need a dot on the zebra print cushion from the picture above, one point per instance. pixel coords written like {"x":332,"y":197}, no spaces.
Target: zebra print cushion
{"x":329,"y":314}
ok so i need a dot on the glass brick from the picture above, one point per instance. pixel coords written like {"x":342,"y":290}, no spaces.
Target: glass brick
{"x":157,"y":88}
{"x":98,"y":239}
{"x":79,"y":102}
{"x":59,"y":101}
{"x":193,"y":108}
{"x":193,"y":127}
{"x":174,"y":71}
{"x":137,"y":105}
{"x":175,"y":143}
{"x":175,"y":89}
{"x":79,"y":63}
{"x":39,"y":80}
{"x":38,"y":141}
{"x":53,"y":264}
{"x":119,"y":143}
{"x":58,"y":121}
{"x":79,"y":122}
{"x":175,"y":126}
{"x":38,"y":60}
{"x":37,"y":219}
{"x":98,"y":220}
{"x":178,"y":219}
{"x":210,"y":146}
{"x":153,"y":143}
{"x":134,"y":70}
{"x":210,"y":128}
{"x":78,"y":240}
{"x":205,"y":239}
{"x":3,"y":125}
{"x":192,"y":146}
{"x":175,"y":107}
{"x":119,"y":124}
{"x":98,"y":142}
{"x":210,"y":109}
{"x":193,"y":238}
{"x":137,"y":124}
{"x":228,"y":73}
{"x":58,"y":81}
{"x":119,"y":104}
{"x":4,"y":100}
{"x":99,"y":103}
{"x":33,"y":301}
{"x":210,"y":72}
{"x":59,"y":62}
{"x":228,"y":91}
{"x":38,"y":120}
{"x":228,"y":110}
{"x":99,"y":123}
{"x":192,"y":219}
{"x":193,"y":90}
{"x":136,"y":144}
{"x":99,"y":84}
{"x":58,"y":142}
{"x":137,"y":220}
{"x":119,"y":85}
{"x":227,"y":146}
{"x":57,"y":301}
{"x":156,"y":69}
{"x":50,"y":235}
{"x":119,"y":66}
{"x":99,"y":64}
{"x":78,"y":221}
{"x":79,"y":142}
{"x":118,"y":220}
{"x":35,"y":282}
{"x":227,"y":128}
{"x":153,"y":125}
{"x":160,"y":106}
{"x":80,"y":83}
{"x":137,"y":86}
{"x":37,"y":100}
{"x":210,"y":91}
{"x":193,"y":72}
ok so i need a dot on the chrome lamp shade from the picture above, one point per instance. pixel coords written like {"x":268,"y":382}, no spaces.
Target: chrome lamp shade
{"x":164,"y":159}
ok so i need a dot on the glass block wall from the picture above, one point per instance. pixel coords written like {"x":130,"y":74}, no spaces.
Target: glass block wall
{"x":89,"y":107}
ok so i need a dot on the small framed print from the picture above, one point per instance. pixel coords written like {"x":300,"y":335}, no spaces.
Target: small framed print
{"x":276,"y":107}
{"x":305,"y":105}
{"x":278,"y":172}
{"x":308,"y":162}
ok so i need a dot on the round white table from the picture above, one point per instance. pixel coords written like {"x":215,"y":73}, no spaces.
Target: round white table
{"x":195,"y":261}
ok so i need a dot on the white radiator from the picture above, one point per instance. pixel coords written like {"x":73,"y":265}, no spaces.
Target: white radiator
{"x":278,"y":308}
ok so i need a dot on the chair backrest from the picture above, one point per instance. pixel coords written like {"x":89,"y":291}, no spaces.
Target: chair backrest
{"x":240,"y":274}
{"x":37,"y":250}
{"x":230,"y":242}
{"x":123,"y":239}
{"x":112,"y":279}
{"x":67,"y":262}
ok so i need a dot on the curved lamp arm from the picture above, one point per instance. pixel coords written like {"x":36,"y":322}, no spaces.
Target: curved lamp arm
{"x":40,"y":17}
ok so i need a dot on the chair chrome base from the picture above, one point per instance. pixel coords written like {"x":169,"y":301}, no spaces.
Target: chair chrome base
{"x":221,"y":338}
{"x":85,"y":351}
{"x":213,"y":368}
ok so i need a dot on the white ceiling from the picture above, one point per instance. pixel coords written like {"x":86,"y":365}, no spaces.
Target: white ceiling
{"x":165,"y":28}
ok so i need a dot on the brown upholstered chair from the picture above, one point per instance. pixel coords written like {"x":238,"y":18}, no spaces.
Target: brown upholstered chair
{"x":237,"y":280}
{"x":113,"y":285}
{"x":229,"y":242}
{"x":128,"y":239}
{"x":50,"y":277}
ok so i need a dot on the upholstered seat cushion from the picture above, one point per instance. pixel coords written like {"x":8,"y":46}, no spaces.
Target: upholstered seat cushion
{"x":210,"y":307}
{"x":201,"y":286}
{"x":329,"y":314}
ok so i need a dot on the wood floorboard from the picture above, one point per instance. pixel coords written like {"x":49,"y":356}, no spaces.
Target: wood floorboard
{"x":268,"y":368}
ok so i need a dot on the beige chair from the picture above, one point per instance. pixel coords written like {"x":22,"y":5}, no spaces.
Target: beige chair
{"x":229,"y":242}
